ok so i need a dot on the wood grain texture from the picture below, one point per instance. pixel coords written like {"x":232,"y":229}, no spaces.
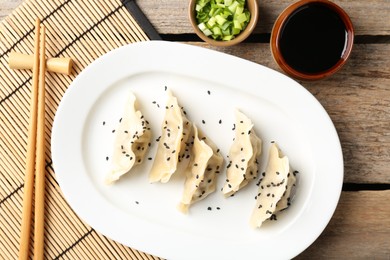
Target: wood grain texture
{"x":170,"y":16}
{"x":359,"y":229}
{"x":357,"y":100}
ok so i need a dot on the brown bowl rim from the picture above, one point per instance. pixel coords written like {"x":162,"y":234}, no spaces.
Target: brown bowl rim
{"x":242,"y":36}
{"x":275,"y":34}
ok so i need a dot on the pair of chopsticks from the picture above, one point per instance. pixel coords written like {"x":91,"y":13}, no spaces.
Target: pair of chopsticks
{"x":35,"y":161}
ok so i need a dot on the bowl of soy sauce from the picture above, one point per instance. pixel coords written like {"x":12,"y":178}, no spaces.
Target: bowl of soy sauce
{"x":312,"y":39}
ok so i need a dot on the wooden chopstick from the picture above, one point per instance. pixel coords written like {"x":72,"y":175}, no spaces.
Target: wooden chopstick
{"x":35,"y":154}
{"x":40,"y":155}
{"x":30,"y":158}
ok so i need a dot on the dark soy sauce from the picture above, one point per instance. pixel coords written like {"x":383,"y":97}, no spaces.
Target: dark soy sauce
{"x":313,"y":38}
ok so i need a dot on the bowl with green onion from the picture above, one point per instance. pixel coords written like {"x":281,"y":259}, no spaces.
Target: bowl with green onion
{"x":223,"y":22}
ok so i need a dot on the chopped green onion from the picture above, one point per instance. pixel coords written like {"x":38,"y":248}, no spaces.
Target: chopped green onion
{"x":222,"y":19}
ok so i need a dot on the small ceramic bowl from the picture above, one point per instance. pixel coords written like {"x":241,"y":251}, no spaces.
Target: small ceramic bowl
{"x":254,"y":11}
{"x":279,"y":28}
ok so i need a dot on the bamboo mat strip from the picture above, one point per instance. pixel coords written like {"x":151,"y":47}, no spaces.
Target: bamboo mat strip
{"x":83,"y":30}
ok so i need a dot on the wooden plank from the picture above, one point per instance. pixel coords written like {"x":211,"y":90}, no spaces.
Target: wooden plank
{"x":170,"y":16}
{"x":359,"y":229}
{"x":357,"y":99}
{"x":368,"y":17}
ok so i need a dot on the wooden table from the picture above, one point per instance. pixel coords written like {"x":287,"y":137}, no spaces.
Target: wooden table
{"x":357,"y":99}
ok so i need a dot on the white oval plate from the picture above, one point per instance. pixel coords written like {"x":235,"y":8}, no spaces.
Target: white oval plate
{"x":210,"y":85}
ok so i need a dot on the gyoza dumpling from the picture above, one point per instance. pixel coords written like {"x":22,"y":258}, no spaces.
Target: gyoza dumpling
{"x":132,"y":140}
{"x":243,"y":155}
{"x":205,"y":164}
{"x":272,"y":187}
{"x":176,"y":129}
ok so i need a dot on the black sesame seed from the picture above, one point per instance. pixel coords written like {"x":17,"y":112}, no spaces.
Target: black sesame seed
{"x":242,"y":160}
{"x":229,"y":185}
{"x":208,"y":92}
{"x":209,"y":180}
{"x":241,"y":122}
{"x":195,"y":164}
{"x":168,"y":158}
{"x":104,"y":122}
{"x":136,"y":202}
{"x":277,"y":173}
{"x":227,"y":180}
{"x":107,"y":158}
{"x":197,"y":176}
{"x":113,"y":131}
{"x":203,"y":122}
{"x":209,"y":208}
{"x":260,"y":206}
{"x":220,"y":121}
{"x":165,"y":88}
{"x":218,"y":208}
{"x":150,"y":158}
{"x":154,"y":102}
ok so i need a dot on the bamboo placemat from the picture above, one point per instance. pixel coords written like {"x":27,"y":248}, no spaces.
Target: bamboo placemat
{"x":82,"y":30}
